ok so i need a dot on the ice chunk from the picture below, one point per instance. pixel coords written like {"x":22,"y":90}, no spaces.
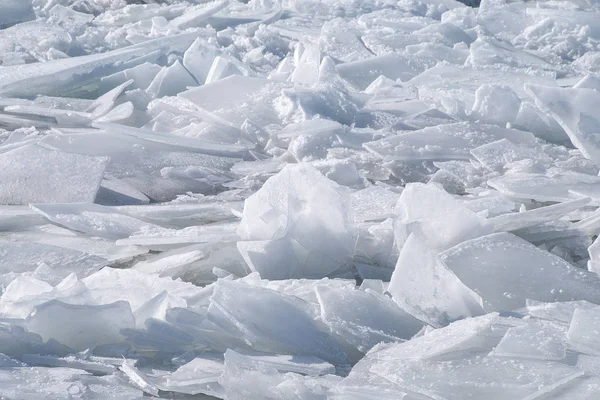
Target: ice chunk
{"x":221,"y":68}
{"x":561,"y":312}
{"x":255,"y":314}
{"x":142,"y":75}
{"x":19,"y":257}
{"x":505,"y":270}
{"x":201,"y":375}
{"x":32,"y":174}
{"x":302,"y":216}
{"x":496,"y":104}
{"x":198,"y":59}
{"x":362,"y":73}
{"x":534,"y":340}
{"x":364,"y":319}
{"x":584,"y":334}
{"x":81,"y":326}
{"x":138,"y":378}
{"x":374,"y":203}
{"x":496,"y":155}
{"x":427,"y":289}
{"x":437,"y":218}
{"x":537,"y":216}
{"x":444,"y":142}
{"x":95,"y":220}
{"x":171,"y":80}
{"x":575,"y":111}
{"x":307,"y":69}
{"x":253,"y":100}
{"x":556,"y":185}
{"x":194,"y":16}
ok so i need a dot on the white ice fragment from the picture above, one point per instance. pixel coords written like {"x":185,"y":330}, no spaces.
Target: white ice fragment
{"x":505,"y":270}
{"x":300,"y":215}
{"x":198,"y":59}
{"x":575,"y":111}
{"x":254,"y":315}
{"x":307,"y":68}
{"x":437,"y":218}
{"x":496,"y":155}
{"x":221,"y":68}
{"x":142,"y":75}
{"x":534,"y":340}
{"x":171,"y":80}
{"x":156,"y":308}
{"x":81,"y":326}
{"x":138,"y":378}
{"x":106,"y":102}
{"x":444,"y":142}
{"x":584,"y":331}
{"x":496,"y":104}
{"x":364,"y":318}
{"x":362,"y":73}
{"x":423,"y":286}
{"x":33,"y":174}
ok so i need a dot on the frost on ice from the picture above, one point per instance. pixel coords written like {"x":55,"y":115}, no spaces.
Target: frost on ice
{"x":275,"y":199}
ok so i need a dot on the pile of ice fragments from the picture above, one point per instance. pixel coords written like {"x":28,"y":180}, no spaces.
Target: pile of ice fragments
{"x":299,"y":199}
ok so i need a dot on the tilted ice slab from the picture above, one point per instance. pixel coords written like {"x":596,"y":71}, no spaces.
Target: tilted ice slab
{"x":298,"y":225}
{"x":32,"y":174}
{"x":444,"y":142}
{"x":505,"y":270}
{"x":575,"y":110}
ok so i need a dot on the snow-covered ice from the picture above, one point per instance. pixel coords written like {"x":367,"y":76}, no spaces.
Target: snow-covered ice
{"x":300,"y":199}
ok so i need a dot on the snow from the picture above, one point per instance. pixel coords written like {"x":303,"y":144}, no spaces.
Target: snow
{"x":299,"y":199}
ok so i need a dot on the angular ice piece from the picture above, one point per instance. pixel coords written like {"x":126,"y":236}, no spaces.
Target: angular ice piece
{"x":537,"y":216}
{"x":363,"y":72}
{"x":557,"y":185}
{"x":221,"y":68}
{"x":427,"y":289}
{"x":584,"y":331}
{"x":307,"y":68}
{"x":255,"y":314}
{"x":59,"y":77}
{"x":95,"y":220}
{"x":561,"y":312}
{"x":495,"y":104}
{"x":313,"y":127}
{"x":289,"y":213}
{"x":115,"y":192}
{"x":437,"y":218}
{"x":246,"y":378}
{"x":195,"y":16}
{"x":81,"y":327}
{"x":171,"y":80}
{"x":32,"y":174}
{"x":486,"y":51}
{"x":575,"y":111}
{"x":253,"y":100}
{"x":156,"y":308}
{"x":173,"y":262}
{"x":496,"y":155}
{"x":534,"y":340}
{"x":363,"y":319}
{"x":201,"y":375}
{"x":111,"y":285}
{"x":138,"y":378}
{"x":19,"y":257}
{"x":505,"y":270}
{"x":374,"y":203}
{"x":481,"y":377}
{"x":306,"y":365}
{"x":444,"y":142}
{"x":588,"y":82}
{"x":69,"y":362}
{"x":106,"y":102}
{"x":198,"y":59}
{"x":142,"y":75}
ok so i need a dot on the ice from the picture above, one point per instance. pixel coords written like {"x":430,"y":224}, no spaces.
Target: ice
{"x":445,"y":142}
{"x":33,"y":174}
{"x":423,"y":286}
{"x":583,"y":331}
{"x":437,"y":218}
{"x":256,"y":320}
{"x":299,"y":199}
{"x":80,"y":327}
{"x":512,"y":268}
{"x":364,"y":318}
{"x":287,"y":232}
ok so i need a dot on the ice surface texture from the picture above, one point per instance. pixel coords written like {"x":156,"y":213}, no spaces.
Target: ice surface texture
{"x":299,"y":199}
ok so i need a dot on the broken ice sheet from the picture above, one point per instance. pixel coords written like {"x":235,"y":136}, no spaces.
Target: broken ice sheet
{"x":505,"y":270}
{"x":33,"y":174}
{"x":445,"y":142}
{"x":534,"y":340}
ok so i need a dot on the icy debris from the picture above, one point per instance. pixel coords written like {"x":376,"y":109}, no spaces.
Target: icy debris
{"x":299,"y":224}
{"x":515,"y":270}
{"x":32,"y":174}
